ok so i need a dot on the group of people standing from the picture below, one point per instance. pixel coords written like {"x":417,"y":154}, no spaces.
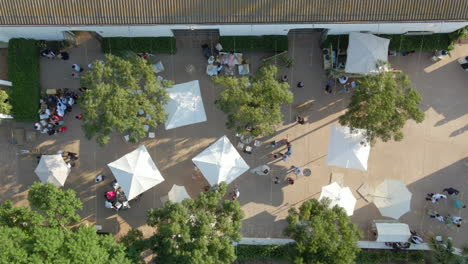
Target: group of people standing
{"x":55,"y":108}
{"x":449,"y":219}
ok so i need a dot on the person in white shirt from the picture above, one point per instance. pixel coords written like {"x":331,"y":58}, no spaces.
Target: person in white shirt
{"x":77,"y":68}
{"x":261,"y":170}
{"x":108,"y":204}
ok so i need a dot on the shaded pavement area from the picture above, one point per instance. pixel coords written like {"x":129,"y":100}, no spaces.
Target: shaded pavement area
{"x":432,"y":155}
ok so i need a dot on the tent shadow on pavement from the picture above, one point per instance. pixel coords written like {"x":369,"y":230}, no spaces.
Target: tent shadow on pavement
{"x":417,"y":218}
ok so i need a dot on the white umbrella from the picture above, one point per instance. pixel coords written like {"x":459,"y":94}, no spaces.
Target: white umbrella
{"x":178,"y":194}
{"x":136,"y":172}
{"x":52,"y":169}
{"x":185,"y":105}
{"x":392,"y":198}
{"x":220,"y":162}
{"x":364,"y":52}
{"x":348,"y":149}
{"x":343,"y":197}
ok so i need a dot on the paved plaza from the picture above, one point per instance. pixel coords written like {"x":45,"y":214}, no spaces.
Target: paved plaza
{"x":432,"y":156}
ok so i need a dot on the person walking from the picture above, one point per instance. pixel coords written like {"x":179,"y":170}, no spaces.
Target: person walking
{"x":300,"y":85}
{"x":434,"y":198}
{"x":261,"y":170}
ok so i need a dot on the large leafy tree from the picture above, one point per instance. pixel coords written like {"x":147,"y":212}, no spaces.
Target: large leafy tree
{"x":57,"y":206}
{"x":382,"y":104}
{"x":254,"y":105}
{"x":28,"y":237}
{"x":322,"y":235}
{"x":197,"y":231}
{"x":118,"y":90}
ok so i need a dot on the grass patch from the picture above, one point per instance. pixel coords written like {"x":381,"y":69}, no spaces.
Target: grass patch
{"x":157,"y":45}
{"x":401,"y":42}
{"x":275,"y":43}
{"x":23,"y":72}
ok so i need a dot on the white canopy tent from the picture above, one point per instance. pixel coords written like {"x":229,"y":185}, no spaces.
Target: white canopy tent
{"x":364,"y":52}
{"x":185,"y":106}
{"x":392,"y":198}
{"x":343,"y":197}
{"x":220,"y":162}
{"x":177,"y":194}
{"x":392,"y":232}
{"x":136,"y":172}
{"x":346,"y":149}
{"x":52,"y":169}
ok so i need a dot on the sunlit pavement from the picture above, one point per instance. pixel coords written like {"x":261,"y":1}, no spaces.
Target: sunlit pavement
{"x":430,"y":158}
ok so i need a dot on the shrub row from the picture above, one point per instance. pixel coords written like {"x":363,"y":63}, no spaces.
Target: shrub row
{"x":400,"y":42}
{"x":278,"y":253}
{"x":275,"y":43}
{"x":268,"y":252}
{"x":157,"y":45}
{"x":23,"y":72}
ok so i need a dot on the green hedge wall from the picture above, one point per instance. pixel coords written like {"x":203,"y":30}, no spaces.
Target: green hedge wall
{"x":157,"y":45}
{"x":275,"y":43}
{"x":400,"y":42}
{"x":282,"y":253}
{"x":23,"y":71}
{"x":270,"y":252}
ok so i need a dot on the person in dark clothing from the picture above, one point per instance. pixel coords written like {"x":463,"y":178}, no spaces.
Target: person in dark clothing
{"x":451,"y":191}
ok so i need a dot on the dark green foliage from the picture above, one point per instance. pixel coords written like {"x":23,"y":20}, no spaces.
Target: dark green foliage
{"x":260,"y":252}
{"x":254,"y":103}
{"x":156,"y":45}
{"x":197,"y":231}
{"x":27,"y":237}
{"x":23,"y":72}
{"x":322,"y":235}
{"x":400,"y":42}
{"x":382,"y":104}
{"x":135,"y":244}
{"x":442,"y":253}
{"x":385,"y":256}
{"x":57,"y":206}
{"x":275,"y":43}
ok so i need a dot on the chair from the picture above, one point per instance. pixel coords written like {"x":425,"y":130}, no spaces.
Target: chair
{"x":257,"y":143}
{"x":248,"y":150}
{"x":146,"y":127}
{"x":151,"y":135}
{"x":158,"y":67}
{"x":126,"y":138}
{"x":240,"y":145}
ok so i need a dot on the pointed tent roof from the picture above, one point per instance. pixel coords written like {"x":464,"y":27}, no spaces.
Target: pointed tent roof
{"x":220,"y":162}
{"x":345,"y":148}
{"x":392,"y":198}
{"x":342,"y":197}
{"x":185,"y":106}
{"x":178,"y":193}
{"x":364,"y":52}
{"x":136,"y":172}
{"x":52,"y":169}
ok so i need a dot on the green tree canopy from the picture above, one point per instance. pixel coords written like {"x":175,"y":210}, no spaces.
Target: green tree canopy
{"x":28,"y":237}
{"x":197,"y":231}
{"x":5,"y":106}
{"x":382,"y":104}
{"x":322,"y":235}
{"x":118,"y":89}
{"x":253,"y":105}
{"x":57,"y":206}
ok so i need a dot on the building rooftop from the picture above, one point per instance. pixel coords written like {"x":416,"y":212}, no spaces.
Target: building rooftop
{"x":141,"y":12}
